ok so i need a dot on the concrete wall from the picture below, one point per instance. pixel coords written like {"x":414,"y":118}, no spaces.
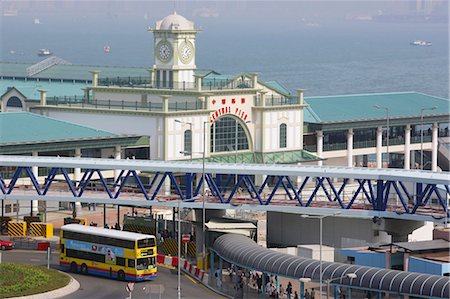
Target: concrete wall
{"x":285,"y":230}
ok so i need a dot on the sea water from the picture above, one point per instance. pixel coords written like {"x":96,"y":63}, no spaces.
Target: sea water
{"x":352,"y":57}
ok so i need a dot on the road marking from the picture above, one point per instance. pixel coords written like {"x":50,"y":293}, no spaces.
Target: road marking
{"x":192,"y":279}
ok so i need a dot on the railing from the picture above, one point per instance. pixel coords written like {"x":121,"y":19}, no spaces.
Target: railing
{"x":124,"y":81}
{"x":310,"y":148}
{"x":364,"y":144}
{"x":123,"y":105}
{"x":218,"y":84}
{"x":418,"y":139}
{"x":143,"y":82}
{"x":334,"y":147}
{"x":280,"y":100}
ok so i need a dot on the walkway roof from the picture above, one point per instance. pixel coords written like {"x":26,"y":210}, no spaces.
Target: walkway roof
{"x":30,"y":88}
{"x":360,"y":107}
{"x":26,"y":132}
{"x":244,"y":252}
{"x":152,"y":166}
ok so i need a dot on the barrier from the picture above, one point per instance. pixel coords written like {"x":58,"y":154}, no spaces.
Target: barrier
{"x":17,"y":229}
{"x":37,"y":229}
{"x":43,"y":246}
{"x":186,"y":265}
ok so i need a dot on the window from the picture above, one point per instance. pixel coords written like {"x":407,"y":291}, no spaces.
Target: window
{"x":224,"y":138}
{"x":96,"y":257}
{"x":120,"y":261}
{"x":145,"y":263}
{"x":62,"y":248}
{"x":164,"y":79}
{"x":187,"y":142}
{"x":150,"y":242}
{"x":131,"y":263}
{"x":14,"y":102}
{"x":98,"y":239}
{"x":11,"y":208}
{"x":283,"y":135}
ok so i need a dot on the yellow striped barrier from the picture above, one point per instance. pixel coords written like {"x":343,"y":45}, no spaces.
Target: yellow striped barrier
{"x":38,"y":229}
{"x":17,"y":229}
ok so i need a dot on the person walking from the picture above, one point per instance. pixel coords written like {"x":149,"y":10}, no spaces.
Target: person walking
{"x":289,"y":290}
{"x":281,"y":291}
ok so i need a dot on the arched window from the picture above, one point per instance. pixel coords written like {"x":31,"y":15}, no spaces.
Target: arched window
{"x":187,"y":142}
{"x":283,"y":135}
{"x":14,"y":102}
{"x":228,"y":135}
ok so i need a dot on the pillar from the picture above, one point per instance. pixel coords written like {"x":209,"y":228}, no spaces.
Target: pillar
{"x":85,"y":93}
{"x":379,"y":147}
{"x":43,"y":97}
{"x":254,"y":77}
{"x":407,"y":152}
{"x":262,"y":98}
{"x":95,"y":78}
{"x":117,"y":156}
{"x":165,"y":103}
{"x":350,"y":148}
{"x":300,"y":96}
{"x":151,"y":75}
{"x":77,"y":178}
{"x":198,"y":82}
{"x":319,"y":143}
{"x":406,"y":261}
{"x":35,"y":203}
{"x":434,"y":147}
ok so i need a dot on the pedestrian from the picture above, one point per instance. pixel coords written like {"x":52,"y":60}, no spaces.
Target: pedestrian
{"x":307,"y":294}
{"x":259,"y":282}
{"x":281,"y":291}
{"x":289,"y":290}
{"x":218,"y":275}
{"x":295,"y":295}
{"x":313,"y":294}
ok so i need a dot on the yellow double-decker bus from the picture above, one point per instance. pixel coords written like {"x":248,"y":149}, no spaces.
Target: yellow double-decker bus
{"x":108,"y":252}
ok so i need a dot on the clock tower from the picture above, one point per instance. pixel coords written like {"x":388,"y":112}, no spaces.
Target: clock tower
{"x":174,"y":47}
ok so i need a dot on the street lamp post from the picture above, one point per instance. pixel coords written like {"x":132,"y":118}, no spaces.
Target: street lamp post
{"x":320,"y":217}
{"x":387,"y":130}
{"x":179,"y":249}
{"x":203,"y":195}
{"x":421,"y":133}
{"x":328,"y":281}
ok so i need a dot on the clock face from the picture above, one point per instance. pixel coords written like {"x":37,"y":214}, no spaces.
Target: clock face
{"x":164,"y":51}
{"x":186,"y":52}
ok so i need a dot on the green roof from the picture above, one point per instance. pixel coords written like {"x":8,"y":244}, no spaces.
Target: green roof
{"x":30,"y":88}
{"x":25,"y":127}
{"x":71,"y":71}
{"x":360,"y":107}
{"x":278,"y":87}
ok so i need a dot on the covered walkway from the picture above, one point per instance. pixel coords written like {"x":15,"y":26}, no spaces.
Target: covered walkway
{"x":245,"y":253}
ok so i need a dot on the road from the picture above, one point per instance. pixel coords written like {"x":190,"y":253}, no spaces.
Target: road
{"x":98,"y":287}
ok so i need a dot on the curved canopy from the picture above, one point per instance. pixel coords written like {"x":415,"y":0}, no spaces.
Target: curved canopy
{"x":246,"y":253}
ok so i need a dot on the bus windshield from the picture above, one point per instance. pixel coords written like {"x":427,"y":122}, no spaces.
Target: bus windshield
{"x":145,"y":263}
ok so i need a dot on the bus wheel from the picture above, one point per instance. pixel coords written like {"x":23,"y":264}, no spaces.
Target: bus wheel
{"x":84,"y":269}
{"x":73,"y":267}
{"x":121,"y":275}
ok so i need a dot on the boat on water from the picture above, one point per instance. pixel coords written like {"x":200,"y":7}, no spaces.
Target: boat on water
{"x":106,"y":49}
{"x":44,"y":52}
{"x":419,"y":42}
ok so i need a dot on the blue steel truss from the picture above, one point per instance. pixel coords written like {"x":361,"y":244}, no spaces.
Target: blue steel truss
{"x":377,"y":194}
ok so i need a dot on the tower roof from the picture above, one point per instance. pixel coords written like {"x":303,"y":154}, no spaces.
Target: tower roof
{"x":174,"y":22}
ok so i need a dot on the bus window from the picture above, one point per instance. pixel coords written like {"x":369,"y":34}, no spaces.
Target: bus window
{"x":131,"y":263}
{"x":150,"y":242}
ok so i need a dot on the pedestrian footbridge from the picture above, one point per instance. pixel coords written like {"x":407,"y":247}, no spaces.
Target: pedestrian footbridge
{"x":243,"y":252}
